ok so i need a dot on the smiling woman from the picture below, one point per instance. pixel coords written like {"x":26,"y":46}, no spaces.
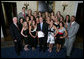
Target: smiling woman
{"x":45,"y":6}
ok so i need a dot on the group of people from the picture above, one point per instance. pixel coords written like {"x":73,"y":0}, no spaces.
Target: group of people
{"x":57,"y":31}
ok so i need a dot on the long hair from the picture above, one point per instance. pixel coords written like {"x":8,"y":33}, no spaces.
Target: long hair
{"x":68,"y":18}
{"x":24,"y":25}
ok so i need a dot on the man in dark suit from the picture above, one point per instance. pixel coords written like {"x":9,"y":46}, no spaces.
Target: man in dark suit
{"x":15,"y":33}
{"x":42,"y":26}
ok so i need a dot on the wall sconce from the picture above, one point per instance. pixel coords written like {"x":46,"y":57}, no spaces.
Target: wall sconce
{"x":64,"y":4}
{"x":26,"y":5}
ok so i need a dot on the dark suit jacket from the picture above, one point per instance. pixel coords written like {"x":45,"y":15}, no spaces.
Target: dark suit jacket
{"x":44,"y":28}
{"x":15,"y":32}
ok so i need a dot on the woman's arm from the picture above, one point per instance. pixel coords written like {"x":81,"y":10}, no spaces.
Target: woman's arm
{"x":30,"y":32}
{"x":56,"y":30}
{"x":22,"y":33}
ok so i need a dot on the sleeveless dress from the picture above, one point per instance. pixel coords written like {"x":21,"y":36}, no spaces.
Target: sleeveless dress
{"x":57,"y":25}
{"x":51,"y":38}
{"x":26,"y":32}
{"x":33,"y":40}
{"x":58,"y":39}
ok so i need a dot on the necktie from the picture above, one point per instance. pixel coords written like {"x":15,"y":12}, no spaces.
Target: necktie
{"x":24,"y":15}
{"x":17,"y":27}
{"x":41,"y":25}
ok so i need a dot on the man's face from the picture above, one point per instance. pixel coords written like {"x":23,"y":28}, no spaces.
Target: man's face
{"x":23,"y":9}
{"x":15,"y":20}
{"x":41,"y":20}
{"x":72,"y":19}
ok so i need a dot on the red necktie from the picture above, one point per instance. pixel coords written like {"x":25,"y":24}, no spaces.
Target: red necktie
{"x":24,"y":15}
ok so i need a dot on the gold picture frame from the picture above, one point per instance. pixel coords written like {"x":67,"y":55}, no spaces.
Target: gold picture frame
{"x":52,"y":8}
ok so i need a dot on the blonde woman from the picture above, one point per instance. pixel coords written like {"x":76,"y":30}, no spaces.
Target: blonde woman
{"x":25,"y":33}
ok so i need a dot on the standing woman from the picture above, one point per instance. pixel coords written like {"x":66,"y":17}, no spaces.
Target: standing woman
{"x":31,"y":20}
{"x":25,"y":33}
{"x":35,"y":14}
{"x":32,"y":32}
{"x":61,"y":19}
{"x":62,"y":33}
{"x":52,"y":32}
{"x":67,"y":21}
{"x":46,"y":15}
{"x":27,"y":19}
{"x":48,"y":20}
{"x":39,"y":14}
{"x":58,"y":14}
{"x":37,"y":20}
{"x":20,"y":23}
{"x":56,"y":22}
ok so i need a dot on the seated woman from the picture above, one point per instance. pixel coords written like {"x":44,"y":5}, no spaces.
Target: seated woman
{"x":62,"y":33}
{"x":25,"y":33}
{"x":52,"y":31}
{"x":32,"y":32}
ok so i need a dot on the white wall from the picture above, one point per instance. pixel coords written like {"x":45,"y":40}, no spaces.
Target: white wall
{"x":32,"y":5}
{"x":70,"y":9}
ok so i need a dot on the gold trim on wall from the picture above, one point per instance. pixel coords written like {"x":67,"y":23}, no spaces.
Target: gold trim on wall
{"x":53,"y":5}
{"x":37,"y":5}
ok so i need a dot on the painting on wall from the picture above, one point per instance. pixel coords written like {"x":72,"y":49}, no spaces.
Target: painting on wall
{"x":44,"y":6}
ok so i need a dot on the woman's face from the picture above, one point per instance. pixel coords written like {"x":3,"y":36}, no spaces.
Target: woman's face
{"x":31,"y":17}
{"x":52,"y":14}
{"x":60,"y":24}
{"x":21,"y":20}
{"x":67,"y":17}
{"x":37,"y":19}
{"x":25,"y":23}
{"x":58,"y":13}
{"x":29,"y":11}
{"x":35,"y":13}
{"x":51,"y":22}
{"x":39,"y":14}
{"x":46,"y":13}
{"x":27,"y":18}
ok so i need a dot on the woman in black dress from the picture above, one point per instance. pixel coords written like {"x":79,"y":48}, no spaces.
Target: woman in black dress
{"x":56,"y":22}
{"x":25,"y":33}
{"x":32,"y":32}
{"x":20,"y":23}
{"x":62,"y":33}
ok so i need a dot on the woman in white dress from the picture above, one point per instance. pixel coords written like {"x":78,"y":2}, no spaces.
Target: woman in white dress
{"x":52,"y":31}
